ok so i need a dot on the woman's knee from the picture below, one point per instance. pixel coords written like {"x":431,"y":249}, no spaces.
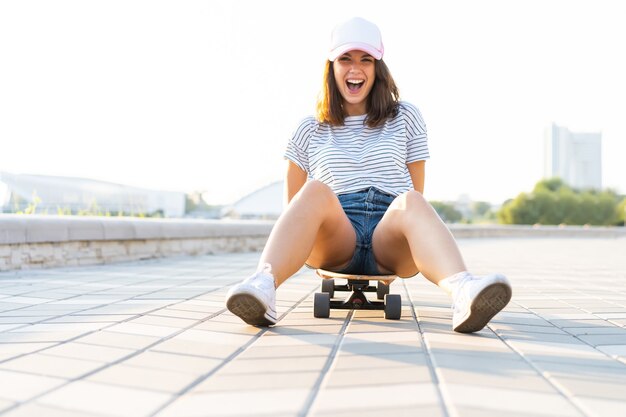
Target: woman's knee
{"x":316,"y":190}
{"x":409,"y":206}
{"x":409,"y":202}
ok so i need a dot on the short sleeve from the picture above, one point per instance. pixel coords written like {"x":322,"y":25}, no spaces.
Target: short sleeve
{"x":417,"y":138}
{"x":299,"y":143}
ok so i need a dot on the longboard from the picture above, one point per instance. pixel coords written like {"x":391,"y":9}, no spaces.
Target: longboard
{"x":358,"y":285}
{"x":386,"y":279}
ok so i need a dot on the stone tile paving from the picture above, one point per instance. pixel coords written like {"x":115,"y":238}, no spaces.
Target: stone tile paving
{"x":153,"y":339}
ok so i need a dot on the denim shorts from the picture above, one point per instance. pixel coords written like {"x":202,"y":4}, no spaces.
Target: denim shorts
{"x":364,"y":209}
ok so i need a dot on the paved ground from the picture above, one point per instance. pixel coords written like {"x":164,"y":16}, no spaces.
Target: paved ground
{"x":153,"y":339}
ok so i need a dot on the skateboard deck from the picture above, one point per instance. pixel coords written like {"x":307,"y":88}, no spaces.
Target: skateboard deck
{"x":386,"y":279}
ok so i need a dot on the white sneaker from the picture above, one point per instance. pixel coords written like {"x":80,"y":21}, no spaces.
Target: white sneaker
{"x":254,"y":299}
{"x":477,"y":300}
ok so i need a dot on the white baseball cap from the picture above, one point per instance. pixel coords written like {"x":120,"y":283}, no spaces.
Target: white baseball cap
{"x":356,"y":34}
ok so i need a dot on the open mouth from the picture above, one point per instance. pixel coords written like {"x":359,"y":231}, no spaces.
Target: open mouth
{"x":354,"y":85}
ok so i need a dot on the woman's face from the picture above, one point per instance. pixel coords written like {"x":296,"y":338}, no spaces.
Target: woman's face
{"x":355,"y":75}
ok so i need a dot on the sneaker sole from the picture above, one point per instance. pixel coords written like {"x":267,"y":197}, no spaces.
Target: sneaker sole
{"x":249,"y":309}
{"x":489,"y":302}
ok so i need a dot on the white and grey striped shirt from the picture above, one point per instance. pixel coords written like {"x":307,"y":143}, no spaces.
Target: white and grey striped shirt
{"x":354,"y":156}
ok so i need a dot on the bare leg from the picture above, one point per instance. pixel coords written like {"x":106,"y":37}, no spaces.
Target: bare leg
{"x":411,"y":238}
{"x":312,"y":229}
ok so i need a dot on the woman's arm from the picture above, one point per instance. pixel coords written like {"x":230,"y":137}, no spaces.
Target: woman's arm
{"x":417,"y":170}
{"x":294,"y":180}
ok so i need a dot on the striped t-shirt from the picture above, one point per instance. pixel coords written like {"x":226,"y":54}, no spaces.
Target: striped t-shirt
{"x":354,"y":156}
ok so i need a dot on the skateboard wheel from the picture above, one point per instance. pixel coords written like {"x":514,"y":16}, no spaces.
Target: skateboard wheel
{"x":328,"y":285}
{"x":382,"y":289}
{"x":393,"y":306}
{"x":321,"y":305}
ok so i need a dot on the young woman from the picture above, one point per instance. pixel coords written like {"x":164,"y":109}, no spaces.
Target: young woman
{"x":354,"y":185}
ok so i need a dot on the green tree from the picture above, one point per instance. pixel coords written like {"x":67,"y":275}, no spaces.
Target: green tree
{"x":553,"y":202}
{"x":528,"y":209}
{"x":481,"y":209}
{"x":550,"y":184}
{"x":621,"y":213}
{"x":447,"y":212}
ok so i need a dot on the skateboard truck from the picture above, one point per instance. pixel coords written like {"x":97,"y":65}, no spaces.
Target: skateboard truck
{"x":358,"y":285}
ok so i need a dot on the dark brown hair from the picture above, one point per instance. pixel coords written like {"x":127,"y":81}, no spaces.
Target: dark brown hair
{"x":382,"y":101}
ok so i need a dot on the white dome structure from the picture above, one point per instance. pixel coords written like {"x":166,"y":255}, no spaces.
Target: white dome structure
{"x":51,"y":193}
{"x":264,"y":203}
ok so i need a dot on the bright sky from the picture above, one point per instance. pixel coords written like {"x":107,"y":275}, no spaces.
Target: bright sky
{"x":204,"y":95}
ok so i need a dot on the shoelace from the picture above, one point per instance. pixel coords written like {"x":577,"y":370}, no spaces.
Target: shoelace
{"x":264,"y":277}
{"x":460,"y":296}
{"x":262,"y":282}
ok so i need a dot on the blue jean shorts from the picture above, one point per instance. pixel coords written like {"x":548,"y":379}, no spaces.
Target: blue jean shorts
{"x":364,"y":209}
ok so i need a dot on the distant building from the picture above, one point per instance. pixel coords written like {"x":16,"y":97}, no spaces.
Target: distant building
{"x":264,"y":203}
{"x":464,"y":205}
{"x":576,"y":158}
{"x":197,"y":207}
{"x":52,"y":194}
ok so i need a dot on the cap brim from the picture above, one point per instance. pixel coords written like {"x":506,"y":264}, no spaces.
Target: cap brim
{"x":340,"y":50}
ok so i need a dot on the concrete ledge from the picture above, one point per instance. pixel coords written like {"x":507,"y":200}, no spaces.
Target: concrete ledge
{"x":52,"y":241}
{"x":477,"y":231}
{"x":37,"y":229}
